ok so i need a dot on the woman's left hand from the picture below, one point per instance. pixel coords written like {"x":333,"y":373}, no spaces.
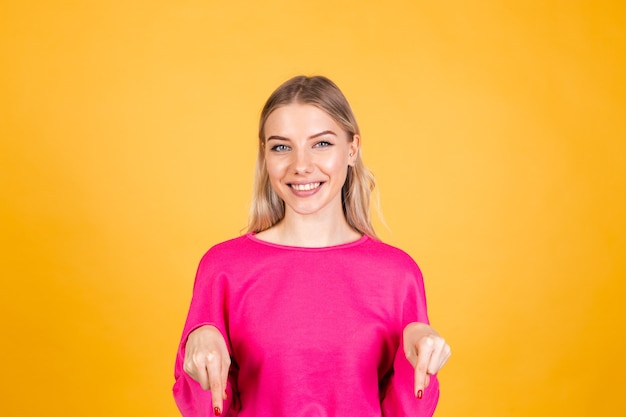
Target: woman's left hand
{"x":427,"y":352}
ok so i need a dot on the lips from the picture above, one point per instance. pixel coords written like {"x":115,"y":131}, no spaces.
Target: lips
{"x":305,"y":187}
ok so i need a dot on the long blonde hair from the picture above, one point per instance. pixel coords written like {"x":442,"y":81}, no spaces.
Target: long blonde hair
{"x":267,"y":208}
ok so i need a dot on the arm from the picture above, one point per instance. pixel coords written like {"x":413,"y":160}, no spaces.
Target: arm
{"x":204,"y":386}
{"x":413,"y":388}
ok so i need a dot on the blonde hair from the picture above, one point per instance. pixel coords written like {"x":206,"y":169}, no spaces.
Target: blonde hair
{"x":267,"y":208}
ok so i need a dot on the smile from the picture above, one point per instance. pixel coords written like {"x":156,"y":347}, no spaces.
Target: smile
{"x":306,"y":187}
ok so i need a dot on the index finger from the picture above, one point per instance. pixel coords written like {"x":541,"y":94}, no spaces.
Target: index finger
{"x":214,"y":365}
{"x":424,"y":353}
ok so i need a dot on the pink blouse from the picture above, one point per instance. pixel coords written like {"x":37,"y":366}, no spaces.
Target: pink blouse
{"x":311,"y":331}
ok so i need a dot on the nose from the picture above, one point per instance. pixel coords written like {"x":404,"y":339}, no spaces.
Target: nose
{"x":303,"y":162}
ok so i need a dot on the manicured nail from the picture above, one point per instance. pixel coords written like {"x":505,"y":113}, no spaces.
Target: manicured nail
{"x":420,"y":394}
{"x":217,"y":411}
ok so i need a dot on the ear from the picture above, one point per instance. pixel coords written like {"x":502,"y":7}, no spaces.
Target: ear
{"x":355,"y":147}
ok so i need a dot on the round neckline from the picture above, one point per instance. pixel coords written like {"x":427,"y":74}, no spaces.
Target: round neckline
{"x":252,"y":237}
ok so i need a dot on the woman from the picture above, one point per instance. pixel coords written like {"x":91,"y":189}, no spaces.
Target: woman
{"x":308,"y":314}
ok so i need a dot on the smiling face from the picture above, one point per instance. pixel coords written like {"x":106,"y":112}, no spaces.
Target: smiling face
{"x":307,"y":154}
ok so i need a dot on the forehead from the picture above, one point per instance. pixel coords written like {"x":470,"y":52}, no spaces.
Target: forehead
{"x":299,"y":119}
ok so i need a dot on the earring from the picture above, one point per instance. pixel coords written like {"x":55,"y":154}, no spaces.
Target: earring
{"x":350,"y":155}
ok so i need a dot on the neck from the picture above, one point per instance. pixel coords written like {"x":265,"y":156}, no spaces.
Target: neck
{"x":311,"y":231}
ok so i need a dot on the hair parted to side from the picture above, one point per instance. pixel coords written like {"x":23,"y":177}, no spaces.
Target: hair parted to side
{"x":267,"y":208}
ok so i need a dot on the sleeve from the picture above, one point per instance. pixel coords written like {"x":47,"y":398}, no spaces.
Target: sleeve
{"x":208,"y":307}
{"x":398,"y":399}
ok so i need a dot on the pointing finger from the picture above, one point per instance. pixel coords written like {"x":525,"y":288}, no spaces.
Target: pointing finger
{"x":214,"y":368}
{"x":424,"y":353}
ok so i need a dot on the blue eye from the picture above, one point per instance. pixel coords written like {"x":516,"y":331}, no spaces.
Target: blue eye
{"x":323,"y":144}
{"x":280,"y":148}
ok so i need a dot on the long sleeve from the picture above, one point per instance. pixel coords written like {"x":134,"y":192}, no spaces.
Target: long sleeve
{"x":207,"y":308}
{"x":398,"y":398}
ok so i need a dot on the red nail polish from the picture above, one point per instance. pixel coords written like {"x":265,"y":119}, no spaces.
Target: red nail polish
{"x":420,"y":394}
{"x":217,"y":411}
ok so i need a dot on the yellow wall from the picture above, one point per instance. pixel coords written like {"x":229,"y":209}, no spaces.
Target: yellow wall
{"x":497,"y":133}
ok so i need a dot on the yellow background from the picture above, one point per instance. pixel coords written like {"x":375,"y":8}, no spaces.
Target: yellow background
{"x":496,"y":130}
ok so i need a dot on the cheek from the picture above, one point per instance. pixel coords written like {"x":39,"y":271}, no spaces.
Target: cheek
{"x":275,"y":169}
{"x":337,"y":164}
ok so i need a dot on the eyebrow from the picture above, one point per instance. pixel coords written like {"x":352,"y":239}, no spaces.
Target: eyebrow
{"x":326,"y":132}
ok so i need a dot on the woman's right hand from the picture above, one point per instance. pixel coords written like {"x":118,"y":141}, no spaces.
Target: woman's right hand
{"x":207,"y":361}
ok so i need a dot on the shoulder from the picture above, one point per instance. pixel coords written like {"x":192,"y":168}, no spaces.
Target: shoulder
{"x":388,"y":265}
{"x":227,"y":250}
{"x":374,"y":256}
{"x":234,"y":244}
{"x":381,"y":250}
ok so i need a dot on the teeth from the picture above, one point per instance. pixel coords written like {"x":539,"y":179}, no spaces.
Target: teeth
{"x":305,"y":187}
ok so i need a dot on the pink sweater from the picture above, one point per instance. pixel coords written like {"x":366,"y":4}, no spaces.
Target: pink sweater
{"x":311,"y":331}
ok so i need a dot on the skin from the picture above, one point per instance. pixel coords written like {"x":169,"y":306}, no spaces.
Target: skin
{"x":307,"y":157}
{"x":305,"y":147}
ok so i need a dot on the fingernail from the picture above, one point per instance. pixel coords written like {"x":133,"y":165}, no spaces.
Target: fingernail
{"x":420,"y":394}
{"x":217,"y":411}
